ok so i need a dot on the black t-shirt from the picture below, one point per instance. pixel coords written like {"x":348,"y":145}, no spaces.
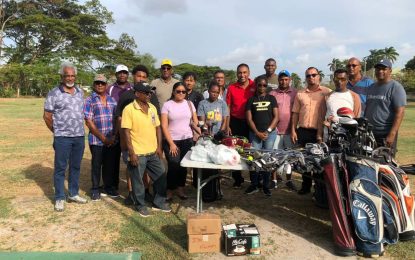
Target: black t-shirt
{"x":261,"y":110}
{"x":128,"y":97}
{"x":195,"y":97}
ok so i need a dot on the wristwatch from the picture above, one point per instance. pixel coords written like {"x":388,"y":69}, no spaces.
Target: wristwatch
{"x":269,"y":130}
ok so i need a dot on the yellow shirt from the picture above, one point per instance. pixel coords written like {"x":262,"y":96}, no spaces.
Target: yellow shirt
{"x":142,"y":127}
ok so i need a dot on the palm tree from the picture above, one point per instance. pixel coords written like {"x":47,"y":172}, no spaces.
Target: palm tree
{"x":334,"y":64}
{"x":390,"y":53}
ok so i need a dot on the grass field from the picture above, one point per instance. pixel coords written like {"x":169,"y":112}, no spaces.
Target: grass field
{"x":28,"y":222}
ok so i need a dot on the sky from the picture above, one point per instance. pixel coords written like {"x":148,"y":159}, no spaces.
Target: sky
{"x":297,"y":33}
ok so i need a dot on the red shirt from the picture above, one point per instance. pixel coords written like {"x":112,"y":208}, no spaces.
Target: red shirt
{"x":237,"y":96}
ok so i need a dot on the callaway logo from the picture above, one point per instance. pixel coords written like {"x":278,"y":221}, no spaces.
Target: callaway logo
{"x":239,"y":242}
{"x":360,"y":216}
{"x":365,"y":208}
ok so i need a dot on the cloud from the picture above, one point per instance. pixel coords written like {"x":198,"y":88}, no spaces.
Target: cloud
{"x":152,"y":7}
{"x":246,"y":54}
{"x":313,"y":38}
{"x":303,"y":59}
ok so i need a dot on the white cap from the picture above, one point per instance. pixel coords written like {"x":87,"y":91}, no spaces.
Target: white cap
{"x":121,"y":68}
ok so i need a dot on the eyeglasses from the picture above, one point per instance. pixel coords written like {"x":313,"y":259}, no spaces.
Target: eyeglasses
{"x":352,"y":65}
{"x":166,"y":68}
{"x":311,"y":75}
{"x":262,"y":85}
{"x":181,"y":91}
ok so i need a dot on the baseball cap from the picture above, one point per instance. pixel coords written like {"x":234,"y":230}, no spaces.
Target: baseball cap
{"x":167,"y":62}
{"x":121,"y":68}
{"x":385,"y":63}
{"x":143,"y":87}
{"x":100,"y":78}
{"x":284,"y":72}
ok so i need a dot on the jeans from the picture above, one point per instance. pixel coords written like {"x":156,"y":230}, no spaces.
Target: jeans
{"x":103,"y":160}
{"x":259,"y":144}
{"x":67,"y":149}
{"x":283,"y":142}
{"x":306,"y":135}
{"x":176,"y":174}
{"x":156,"y":172}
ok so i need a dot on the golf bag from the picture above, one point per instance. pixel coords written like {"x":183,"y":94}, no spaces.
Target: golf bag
{"x":395,"y":187}
{"x":336,"y":179}
{"x":366,"y":206}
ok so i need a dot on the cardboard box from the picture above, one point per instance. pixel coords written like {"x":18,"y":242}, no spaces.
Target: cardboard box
{"x":241,"y":239}
{"x":204,"y":243}
{"x":203,"y":224}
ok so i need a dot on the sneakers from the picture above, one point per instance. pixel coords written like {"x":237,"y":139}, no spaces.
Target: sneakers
{"x":273,"y":184}
{"x":77,"y":199}
{"x":267,"y":192}
{"x":95,"y":196}
{"x":143,"y":211}
{"x":251,"y":189}
{"x":238,"y":183}
{"x":112,"y":193}
{"x":164,"y":208}
{"x":129,"y":200}
{"x":291,"y":186}
{"x":59,"y":205}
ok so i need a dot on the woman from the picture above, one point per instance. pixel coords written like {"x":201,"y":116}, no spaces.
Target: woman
{"x":262,"y":118}
{"x":176,"y":115}
{"x":213,"y":111}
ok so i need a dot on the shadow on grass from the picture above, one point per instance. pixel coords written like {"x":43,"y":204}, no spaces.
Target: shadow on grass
{"x":43,"y":177}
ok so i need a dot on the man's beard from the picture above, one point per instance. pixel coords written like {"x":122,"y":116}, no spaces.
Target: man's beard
{"x":70,"y":85}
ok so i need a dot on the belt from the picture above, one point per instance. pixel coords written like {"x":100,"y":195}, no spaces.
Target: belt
{"x":146,"y":154}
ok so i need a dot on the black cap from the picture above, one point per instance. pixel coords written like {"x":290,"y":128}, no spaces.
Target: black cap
{"x":143,"y":87}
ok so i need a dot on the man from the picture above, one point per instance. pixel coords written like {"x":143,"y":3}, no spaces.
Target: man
{"x":385,"y":106}
{"x":341,"y":97}
{"x":306,"y":115}
{"x":284,"y":95}
{"x":164,"y":84}
{"x":270,"y":68}
{"x":141,"y":127}
{"x":357,"y":82}
{"x":237,"y":95}
{"x":120,"y":86}
{"x":140,"y":74}
{"x":64,"y":118}
{"x":98,"y":111}
{"x":219,"y":77}
{"x":189,"y":80}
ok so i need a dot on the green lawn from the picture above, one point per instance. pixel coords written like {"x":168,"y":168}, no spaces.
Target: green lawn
{"x":26,"y":163}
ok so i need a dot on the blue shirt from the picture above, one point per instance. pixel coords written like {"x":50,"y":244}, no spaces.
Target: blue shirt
{"x":101,"y":115}
{"x":66,"y":109}
{"x":361,"y":88}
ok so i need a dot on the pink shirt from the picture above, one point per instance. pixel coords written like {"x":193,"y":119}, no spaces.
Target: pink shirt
{"x":179,"y":119}
{"x":285,"y":100}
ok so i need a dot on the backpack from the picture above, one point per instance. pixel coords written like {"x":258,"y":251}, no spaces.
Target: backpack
{"x":211,"y":191}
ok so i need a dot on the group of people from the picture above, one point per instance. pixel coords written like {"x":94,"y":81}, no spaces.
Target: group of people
{"x":149,"y":124}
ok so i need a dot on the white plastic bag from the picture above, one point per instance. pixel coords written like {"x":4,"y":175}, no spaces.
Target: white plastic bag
{"x":224,"y":155}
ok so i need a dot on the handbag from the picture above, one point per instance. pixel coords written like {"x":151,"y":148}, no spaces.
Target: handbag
{"x":193,"y":125}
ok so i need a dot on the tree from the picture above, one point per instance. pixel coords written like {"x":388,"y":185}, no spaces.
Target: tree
{"x":390,"y":53}
{"x":376,"y":55}
{"x":8,"y":12}
{"x":410,"y":65}
{"x":296,"y":81}
{"x":334,"y":64}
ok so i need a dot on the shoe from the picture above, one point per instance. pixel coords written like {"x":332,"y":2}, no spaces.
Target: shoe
{"x":251,"y":189}
{"x":77,"y":199}
{"x":267,"y":192}
{"x":129,"y":200}
{"x":273,"y":184}
{"x":95,"y":196}
{"x":143,"y":211}
{"x":303,"y":191}
{"x":182,"y":197}
{"x":59,"y":205}
{"x":291,"y":186}
{"x":164,"y":208}
{"x":112,"y":193}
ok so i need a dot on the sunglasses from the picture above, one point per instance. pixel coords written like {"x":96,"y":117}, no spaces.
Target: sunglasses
{"x":145,"y":93}
{"x":311,"y":75}
{"x":100,"y":83}
{"x":262,"y":85}
{"x":351,"y":65}
{"x":165,"y":68}
{"x":180,"y":91}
